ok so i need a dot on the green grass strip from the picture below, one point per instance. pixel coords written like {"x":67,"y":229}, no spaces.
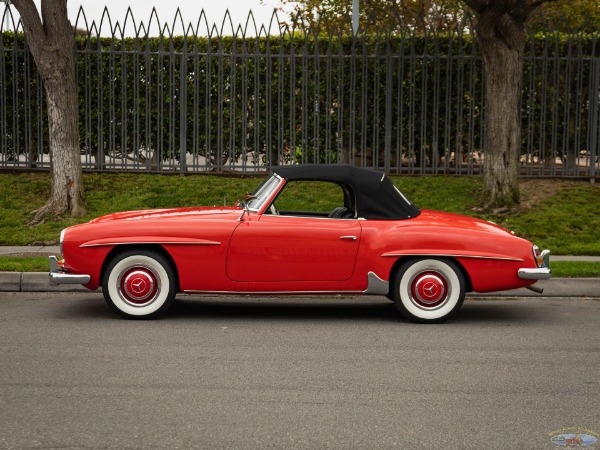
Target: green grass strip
{"x":24,"y":264}
{"x":575,"y":269}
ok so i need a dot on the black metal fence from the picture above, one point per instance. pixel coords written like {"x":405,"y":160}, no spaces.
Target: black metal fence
{"x":246,"y":99}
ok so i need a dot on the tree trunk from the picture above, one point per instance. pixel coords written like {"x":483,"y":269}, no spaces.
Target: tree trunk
{"x":500,"y":30}
{"x":66,"y":195}
{"x":502,"y":49}
{"x":51,"y":43}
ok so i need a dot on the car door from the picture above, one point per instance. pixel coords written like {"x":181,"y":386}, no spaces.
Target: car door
{"x":279,"y":248}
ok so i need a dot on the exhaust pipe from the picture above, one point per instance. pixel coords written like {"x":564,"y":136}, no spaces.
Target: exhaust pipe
{"x":536,"y":289}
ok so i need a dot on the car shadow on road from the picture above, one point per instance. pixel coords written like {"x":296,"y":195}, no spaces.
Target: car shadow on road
{"x":373,"y":309}
{"x":86,"y":307}
{"x":283,"y":309}
{"x":493,"y":312}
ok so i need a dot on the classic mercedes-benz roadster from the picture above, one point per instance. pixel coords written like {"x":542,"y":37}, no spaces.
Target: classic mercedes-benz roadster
{"x":361,"y":236}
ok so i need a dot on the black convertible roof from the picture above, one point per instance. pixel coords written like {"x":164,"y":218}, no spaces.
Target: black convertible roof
{"x":375,"y":194}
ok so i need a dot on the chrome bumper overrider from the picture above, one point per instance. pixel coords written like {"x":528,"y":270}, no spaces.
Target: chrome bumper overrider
{"x":59,"y":276}
{"x":539,"y":273}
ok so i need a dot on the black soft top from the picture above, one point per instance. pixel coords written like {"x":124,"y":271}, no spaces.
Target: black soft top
{"x":375,"y":194}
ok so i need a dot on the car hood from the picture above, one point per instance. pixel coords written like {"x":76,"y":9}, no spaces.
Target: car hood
{"x":172,"y":213}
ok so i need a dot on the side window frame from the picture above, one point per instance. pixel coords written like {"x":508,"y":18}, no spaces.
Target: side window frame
{"x":349,"y":201}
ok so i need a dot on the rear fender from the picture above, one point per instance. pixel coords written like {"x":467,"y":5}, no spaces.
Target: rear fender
{"x":402,"y":260}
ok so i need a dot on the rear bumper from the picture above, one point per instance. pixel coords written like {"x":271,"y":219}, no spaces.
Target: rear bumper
{"x":539,"y":273}
{"x":542,"y":273}
{"x":59,"y":276}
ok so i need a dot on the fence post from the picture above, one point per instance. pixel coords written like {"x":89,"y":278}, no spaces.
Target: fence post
{"x":594,"y":119}
{"x":183,"y":107}
{"x":388,"y":109}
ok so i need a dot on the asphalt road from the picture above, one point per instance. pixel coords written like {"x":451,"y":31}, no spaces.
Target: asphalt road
{"x":295,"y":373}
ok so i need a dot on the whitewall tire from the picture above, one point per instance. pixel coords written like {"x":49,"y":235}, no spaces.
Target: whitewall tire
{"x":139,"y":284}
{"x":428,"y":290}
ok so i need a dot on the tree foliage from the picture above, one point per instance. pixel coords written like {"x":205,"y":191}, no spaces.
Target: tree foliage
{"x":568,"y":16}
{"x":387,"y":15}
{"x":421,"y":15}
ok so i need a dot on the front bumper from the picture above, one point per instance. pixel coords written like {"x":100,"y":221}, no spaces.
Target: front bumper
{"x":539,"y":273}
{"x":59,"y":276}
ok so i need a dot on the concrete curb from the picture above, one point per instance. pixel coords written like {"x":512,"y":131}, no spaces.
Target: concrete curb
{"x":555,"y":287}
{"x":33,"y":282}
{"x":10,"y":281}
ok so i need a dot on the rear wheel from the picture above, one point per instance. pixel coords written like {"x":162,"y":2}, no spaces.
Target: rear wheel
{"x":428,"y":290}
{"x":139,"y":284}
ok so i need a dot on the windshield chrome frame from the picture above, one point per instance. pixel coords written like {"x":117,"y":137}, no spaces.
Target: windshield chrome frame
{"x":267,"y":199}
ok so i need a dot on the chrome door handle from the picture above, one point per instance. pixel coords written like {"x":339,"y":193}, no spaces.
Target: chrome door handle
{"x":352,"y":238}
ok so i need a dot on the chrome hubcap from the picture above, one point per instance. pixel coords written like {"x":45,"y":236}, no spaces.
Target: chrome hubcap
{"x":429,"y":290}
{"x":138,"y":286}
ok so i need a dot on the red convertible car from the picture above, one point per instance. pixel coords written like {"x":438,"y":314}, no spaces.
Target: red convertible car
{"x":361,"y":236}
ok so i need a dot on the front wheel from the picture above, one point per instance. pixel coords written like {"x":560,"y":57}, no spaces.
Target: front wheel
{"x":428,"y":290}
{"x":139,"y":284}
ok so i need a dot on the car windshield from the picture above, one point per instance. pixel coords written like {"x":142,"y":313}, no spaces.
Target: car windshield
{"x":264,"y":191}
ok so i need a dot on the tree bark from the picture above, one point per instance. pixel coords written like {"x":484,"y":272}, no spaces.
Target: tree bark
{"x":503,"y":72}
{"x":51,"y":41}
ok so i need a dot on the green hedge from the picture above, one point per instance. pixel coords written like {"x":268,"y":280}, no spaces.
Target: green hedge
{"x":306,"y":97}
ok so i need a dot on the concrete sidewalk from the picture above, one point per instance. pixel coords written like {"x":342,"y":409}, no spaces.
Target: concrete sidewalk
{"x":38,"y":281}
{"x":29,"y":250}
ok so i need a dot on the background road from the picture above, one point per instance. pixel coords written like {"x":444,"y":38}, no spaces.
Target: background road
{"x":274,"y":373}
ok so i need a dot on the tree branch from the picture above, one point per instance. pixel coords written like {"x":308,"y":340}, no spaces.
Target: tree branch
{"x":396,"y":12}
{"x":476,"y":5}
{"x":490,"y":18}
{"x":525,"y":9}
{"x":31,"y":19}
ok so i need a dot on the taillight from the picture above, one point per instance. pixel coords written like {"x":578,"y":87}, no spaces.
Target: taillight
{"x":537,"y":255}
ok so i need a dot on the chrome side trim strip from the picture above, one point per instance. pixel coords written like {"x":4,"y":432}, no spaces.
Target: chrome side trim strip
{"x":104,"y":244}
{"x":58,"y":276}
{"x":452,"y":255}
{"x":376,"y":286}
{"x":273,"y":292}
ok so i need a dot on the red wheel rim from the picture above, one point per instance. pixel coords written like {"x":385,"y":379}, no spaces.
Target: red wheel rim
{"x":138,"y":286}
{"x":429,"y":289}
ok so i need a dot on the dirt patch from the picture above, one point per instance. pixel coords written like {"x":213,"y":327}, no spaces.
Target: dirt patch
{"x":534,"y":192}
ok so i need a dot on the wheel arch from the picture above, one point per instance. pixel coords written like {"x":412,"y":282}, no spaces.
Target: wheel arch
{"x":118,"y":249}
{"x":403,"y":259}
